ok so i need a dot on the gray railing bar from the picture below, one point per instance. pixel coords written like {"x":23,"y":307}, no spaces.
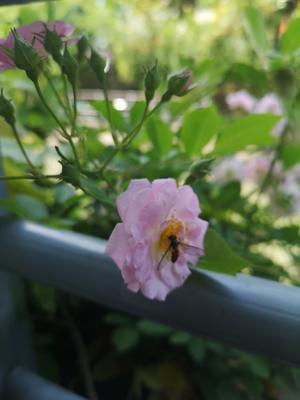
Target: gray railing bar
{"x":22,"y":384}
{"x":253,"y":314}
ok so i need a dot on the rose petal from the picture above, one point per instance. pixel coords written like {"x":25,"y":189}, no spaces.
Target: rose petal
{"x":117,"y":246}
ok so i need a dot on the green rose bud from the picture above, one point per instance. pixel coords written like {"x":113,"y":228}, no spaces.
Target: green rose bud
{"x":152,"y":82}
{"x":70,"y":67}
{"x":178,"y":85}
{"x":7,"y":110}
{"x":53,"y":44}
{"x":82,"y":48}
{"x":26,"y":57}
{"x":70,"y":173}
{"x":99,"y":65}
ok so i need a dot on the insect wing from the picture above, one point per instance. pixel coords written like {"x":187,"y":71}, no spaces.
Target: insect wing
{"x":191,"y":250}
{"x":165,"y":259}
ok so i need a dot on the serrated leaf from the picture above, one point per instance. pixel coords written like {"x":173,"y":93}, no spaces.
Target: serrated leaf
{"x":245,"y":131}
{"x":198,"y":127}
{"x":219,"y":257}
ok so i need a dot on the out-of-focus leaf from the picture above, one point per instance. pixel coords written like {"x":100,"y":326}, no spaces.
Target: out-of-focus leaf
{"x":153,"y":328}
{"x":125,"y":338}
{"x":244,"y":131}
{"x":229,"y":195}
{"x":199,"y":126}
{"x":290,"y":154}
{"x":180,"y":338}
{"x":119,"y":121}
{"x":45,"y":297}
{"x":219,"y":257}
{"x":116,"y":319}
{"x":290,"y":40}
{"x":30,"y":207}
{"x":246,"y":75}
{"x":256,"y":30}
{"x":91,"y":187}
{"x":199,"y":170}
{"x":63,"y":192}
{"x":257,"y":365}
{"x":196,"y":349}
{"x":160,"y":135}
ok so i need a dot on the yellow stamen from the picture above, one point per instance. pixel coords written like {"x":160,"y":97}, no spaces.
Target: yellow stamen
{"x":173,"y":228}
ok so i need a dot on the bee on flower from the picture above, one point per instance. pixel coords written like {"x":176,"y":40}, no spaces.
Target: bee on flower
{"x":160,"y":234}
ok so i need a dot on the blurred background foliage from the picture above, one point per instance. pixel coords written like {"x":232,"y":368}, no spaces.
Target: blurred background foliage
{"x":231,"y":46}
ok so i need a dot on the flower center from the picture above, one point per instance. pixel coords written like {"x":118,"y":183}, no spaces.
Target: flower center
{"x":173,"y":228}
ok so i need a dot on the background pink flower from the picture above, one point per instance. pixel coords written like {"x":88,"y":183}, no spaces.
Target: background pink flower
{"x":29,"y":33}
{"x":150,"y":214}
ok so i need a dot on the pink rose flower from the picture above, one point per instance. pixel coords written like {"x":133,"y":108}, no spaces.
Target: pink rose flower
{"x":159,"y":235}
{"x":31,"y":34}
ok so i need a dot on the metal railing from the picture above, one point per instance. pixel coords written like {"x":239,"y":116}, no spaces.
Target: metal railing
{"x":253,"y":314}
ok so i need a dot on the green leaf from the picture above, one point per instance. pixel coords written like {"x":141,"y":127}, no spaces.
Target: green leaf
{"x":30,"y":207}
{"x":247,"y":76}
{"x":116,"y":319}
{"x":244,"y":131}
{"x":160,"y":135}
{"x":118,"y":119}
{"x":290,"y":154}
{"x":199,"y":126}
{"x":196,"y":349}
{"x":229,"y":195}
{"x":92,"y":188}
{"x":256,"y":30}
{"x":219,"y":257}
{"x":125,"y":338}
{"x":153,"y":328}
{"x":290,"y":40}
{"x":180,"y":338}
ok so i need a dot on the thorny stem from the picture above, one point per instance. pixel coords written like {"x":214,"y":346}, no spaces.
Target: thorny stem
{"x":64,"y":132}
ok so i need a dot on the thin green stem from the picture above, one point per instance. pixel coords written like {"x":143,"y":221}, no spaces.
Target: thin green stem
{"x":65,"y":83}
{"x":74,"y":110}
{"x":131,"y":135}
{"x":109,"y":116}
{"x":20,"y":144}
{"x":51,"y":84}
{"x":30,"y":177}
{"x":64,"y":132}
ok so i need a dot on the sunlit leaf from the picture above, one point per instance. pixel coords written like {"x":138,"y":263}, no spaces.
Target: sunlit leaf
{"x":219,"y":257}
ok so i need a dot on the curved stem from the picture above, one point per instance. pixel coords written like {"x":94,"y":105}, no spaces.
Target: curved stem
{"x":51,"y":84}
{"x":20,"y":144}
{"x":64,"y":132}
{"x":129,"y":138}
